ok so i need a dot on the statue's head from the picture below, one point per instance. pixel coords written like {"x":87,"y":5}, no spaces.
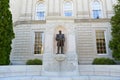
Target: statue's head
{"x":60,"y":31}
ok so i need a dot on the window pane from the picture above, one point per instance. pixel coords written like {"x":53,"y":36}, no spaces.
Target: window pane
{"x":100,"y":42}
{"x":96,"y":14}
{"x":38,"y":48}
{"x":41,"y":15}
{"x":68,"y":13}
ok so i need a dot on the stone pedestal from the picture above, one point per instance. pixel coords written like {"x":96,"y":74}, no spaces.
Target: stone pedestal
{"x":60,"y":64}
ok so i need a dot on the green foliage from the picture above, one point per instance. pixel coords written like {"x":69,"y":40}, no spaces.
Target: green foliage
{"x":103,"y":61}
{"x":34,"y":62}
{"x":115,"y":42}
{"x":6,"y":32}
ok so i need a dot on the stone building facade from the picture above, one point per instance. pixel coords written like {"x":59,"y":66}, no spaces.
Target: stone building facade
{"x":85,"y":23}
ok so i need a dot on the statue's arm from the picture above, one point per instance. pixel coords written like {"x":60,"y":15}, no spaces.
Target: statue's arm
{"x":57,"y":37}
{"x":63,"y":37}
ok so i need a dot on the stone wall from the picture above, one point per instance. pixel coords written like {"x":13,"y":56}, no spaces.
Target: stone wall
{"x":86,"y":39}
{"x":25,"y":24}
{"x":14,"y":71}
{"x":86,"y":72}
{"x":23,"y":44}
{"x":26,"y":9}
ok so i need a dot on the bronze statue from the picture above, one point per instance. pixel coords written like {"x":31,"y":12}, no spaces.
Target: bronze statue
{"x":60,"y":42}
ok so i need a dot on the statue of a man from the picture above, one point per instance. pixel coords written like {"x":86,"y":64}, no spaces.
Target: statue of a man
{"x":60,"y":42}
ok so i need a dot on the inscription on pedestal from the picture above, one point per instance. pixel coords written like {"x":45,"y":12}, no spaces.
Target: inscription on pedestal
{"x":60,"y":57}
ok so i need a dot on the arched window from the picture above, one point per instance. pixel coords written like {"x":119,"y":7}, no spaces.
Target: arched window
{"x":96,"y":10}
{"x":68,"y":8}
{"x":40,"y":11}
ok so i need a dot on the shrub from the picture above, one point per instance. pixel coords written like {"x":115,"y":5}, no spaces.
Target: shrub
{"x":114,"y":44}
{"x":103,"y":61}
{"x":34,"y":62}
{"x":6,"y":32}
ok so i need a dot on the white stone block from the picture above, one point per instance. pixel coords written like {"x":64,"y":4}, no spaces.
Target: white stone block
{"x":81,"y":78}
{"x":61,"y":78}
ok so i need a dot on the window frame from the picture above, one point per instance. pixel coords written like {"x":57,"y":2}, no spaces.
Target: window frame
{"x":68,"y":10}
{"x":106,"y":42}
{"x":43,"y":37}
{"x":44,"y":10}
{"x":100,"y":9}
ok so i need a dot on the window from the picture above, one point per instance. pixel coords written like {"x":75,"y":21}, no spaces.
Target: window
{"x":40,"y":11}
{"x":96,"y":10}
{"x":100,"y":42}
{"x":68,"y":8}
{"x":39,"y":40}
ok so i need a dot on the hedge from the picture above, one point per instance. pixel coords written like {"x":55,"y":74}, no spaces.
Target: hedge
{"x":34,"y":62}
{"x":103,"y":61}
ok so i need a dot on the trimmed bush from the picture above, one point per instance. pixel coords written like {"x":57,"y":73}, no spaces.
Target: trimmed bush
{"x":103,"y":61}
{"x":34,"y":62}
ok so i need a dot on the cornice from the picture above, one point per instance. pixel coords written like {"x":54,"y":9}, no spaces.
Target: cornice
{"x":52,"y":19}
{"x":29,"y":22}
{"x":91,"y":20}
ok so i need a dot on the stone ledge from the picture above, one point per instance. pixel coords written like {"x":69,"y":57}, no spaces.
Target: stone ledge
{"x":92,"y":20}
{"x":84,"y":70}
{"x":29,"y":22}
{"x":61,"y":78}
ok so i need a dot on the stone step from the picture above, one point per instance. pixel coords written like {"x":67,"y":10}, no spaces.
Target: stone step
{"x":62,"y":78}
